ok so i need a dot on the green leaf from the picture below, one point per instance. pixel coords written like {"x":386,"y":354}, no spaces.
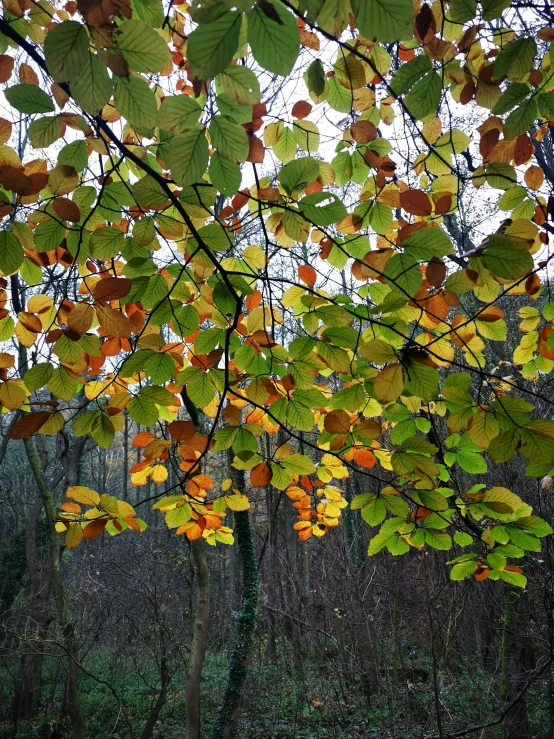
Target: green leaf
{"x":438,"y":539}
{"x":299,"y":464}
{"x":516,"y":58}
{"x":11,"y":253}
{"x":425,"y":96}
{"x":297,"y":175}
{"x":229,"y":139}
{"x":143,"y":48}
{"x":463,"y":570}
{"x":462,"y":539}
{"x":240,"y":84}
{"x":402,"y":273}
{"x":374,"y":512}
{"x":409,"y":73}
{"x":178,"y":113}
{"x":224,"y":175}
{"x":427,"y":243}
{"x":506,"y":259}
{"x":462,"y":11}
{"x":501,"y":175}
{"x":515,"y":93}
{"x":546,"y":105}
{"x":211,"y":46}
{"x":521,"y":119}
{"x":143,"y":410}
{"x":29,"y":99}
{"x":65,"y":50}
{"x":493,"y":8}
{"x":43,"y":132}
{"x":384,"y":20}
{"x":273,"y":37}
{"x":93,"y":88}
{"x":314,"y":77}
{"x":135,"y":101}
{"x":188,"y":156}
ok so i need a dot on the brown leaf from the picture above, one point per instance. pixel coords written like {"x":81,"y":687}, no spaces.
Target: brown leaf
{"x":80,"y":318}
{"x":301,"y":109}
{"x":270,"y":11}
{"x":6,"y":67}
{"x":524,"y":150}
{"x":29,"y":424}
{"x":28,"y":76}
{"x":416,"y":202}
{"x":66,"y":209}
{"x":534,"y":177}
{"x":111,"y":288}
{"x":443,"y":204}
{"x":363,"y":132}
{"x":113,"y":322}
{"x":256,"y":150}
{"x":13,"y":178}
{"x":435,"y":273}
{"x":337,"y":422}
{"x":181,"y":430}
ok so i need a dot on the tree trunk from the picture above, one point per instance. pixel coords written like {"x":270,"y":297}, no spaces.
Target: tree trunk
{"x":226,"y":721}
{"x":27,"y":695}
{"x":62,"y":609}
{"x":198,"y":649}
{"x":514,"y":663}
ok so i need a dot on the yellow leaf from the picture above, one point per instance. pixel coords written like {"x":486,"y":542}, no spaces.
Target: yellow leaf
{"x":237,"y":502}
{"x":74,"y":536}
{"x":159,"y":473}
{"x":83,"y":495}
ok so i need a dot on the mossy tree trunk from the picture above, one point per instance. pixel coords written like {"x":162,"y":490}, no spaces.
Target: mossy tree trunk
{"x":62,"y":608}
{"x":225,"y":726}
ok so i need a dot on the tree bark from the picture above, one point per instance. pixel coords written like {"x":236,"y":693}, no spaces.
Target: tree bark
{"x":198,"y":649}
{"x":62,"y":608}
{"x":225,"y":725}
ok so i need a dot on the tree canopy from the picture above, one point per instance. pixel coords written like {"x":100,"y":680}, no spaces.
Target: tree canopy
{"x":234,"y":220}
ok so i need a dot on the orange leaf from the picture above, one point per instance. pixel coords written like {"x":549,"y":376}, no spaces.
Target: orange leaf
{"x":365,"y":458}
{"x":260,"y":475}
{"x":253,"y":300}
{"x":416,"y":202}
{"x":94,"y":528}
{"x":307,"y":274}
{"x":482,"y":573}
{"x":301,"y":109}
{"x":143,"y":439}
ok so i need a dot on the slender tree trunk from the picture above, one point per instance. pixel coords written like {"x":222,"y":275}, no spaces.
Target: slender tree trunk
{"x":29,"y":681}
{"x":225,"y":726}
{"x":150,"y":724}
{"x":513,"y":666}
{"x":62,"y":608}
{"x":126,"y":459}
{"x":198,"y":649}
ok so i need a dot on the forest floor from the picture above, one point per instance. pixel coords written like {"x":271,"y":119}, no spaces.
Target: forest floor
{"x":284,"y":701}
